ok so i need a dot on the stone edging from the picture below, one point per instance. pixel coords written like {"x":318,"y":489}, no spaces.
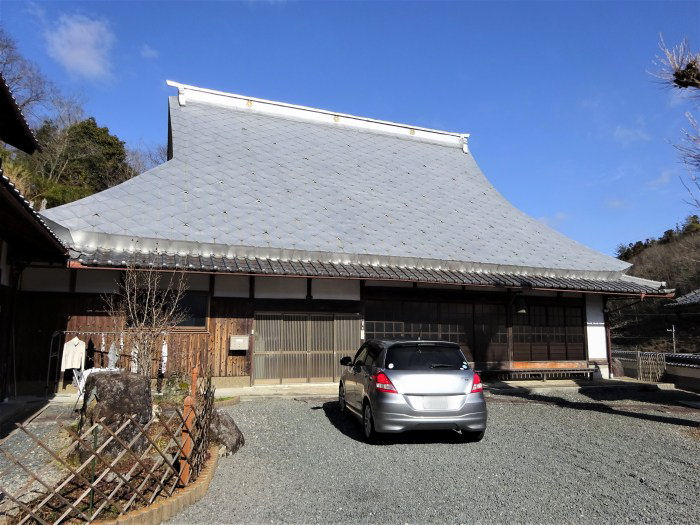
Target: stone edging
{"x":167,"y":508}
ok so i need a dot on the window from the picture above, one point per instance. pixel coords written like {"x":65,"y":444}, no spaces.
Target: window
{"x":372,"y":356}
{"x":360,"y":356}
{"x":193,"y":307}
{"x":425,"y":357}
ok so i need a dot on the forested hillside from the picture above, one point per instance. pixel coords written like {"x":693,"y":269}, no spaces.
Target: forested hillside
{"x":78,"y":157}
{"x":674,"y":257}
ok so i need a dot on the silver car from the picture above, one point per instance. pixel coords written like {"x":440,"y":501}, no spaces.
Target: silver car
{"x":393,"y":386}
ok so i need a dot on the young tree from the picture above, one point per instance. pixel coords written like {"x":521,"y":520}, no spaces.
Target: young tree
{"x":78,"y":158}
{"x":145,"y":307}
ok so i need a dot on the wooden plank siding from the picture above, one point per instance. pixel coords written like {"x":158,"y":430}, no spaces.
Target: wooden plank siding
{"x":486,"y":325}
{"x":40,"y":314}
{"x":229,"y":317}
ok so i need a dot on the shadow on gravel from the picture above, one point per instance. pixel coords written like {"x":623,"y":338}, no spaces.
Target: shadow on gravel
{"x":17,"y":411}
{"x":596,"y":406}
{"x":350,"y":426}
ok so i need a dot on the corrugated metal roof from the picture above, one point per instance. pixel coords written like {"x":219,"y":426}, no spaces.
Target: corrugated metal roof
{"x":245,"y":178}
{"x":257,"y":266}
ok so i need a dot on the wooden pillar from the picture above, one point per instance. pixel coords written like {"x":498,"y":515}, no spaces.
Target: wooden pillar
{"x":187,"y":443}
{"x":608,"y":343}
{"x":509,"y":325}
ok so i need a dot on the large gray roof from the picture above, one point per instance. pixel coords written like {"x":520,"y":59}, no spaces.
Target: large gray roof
{"x":242,"y":180}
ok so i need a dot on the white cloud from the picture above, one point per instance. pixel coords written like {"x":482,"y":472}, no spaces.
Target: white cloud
{"x":662,"y":180}
{"x":555,"y":220}
{"x":81,"y":45}
{"x":628,"y":134}
{"x":615,"y":204}
{"x":148,"y":52}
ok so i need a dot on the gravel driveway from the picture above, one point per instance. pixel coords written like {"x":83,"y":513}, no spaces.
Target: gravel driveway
{"x":548,"y":459}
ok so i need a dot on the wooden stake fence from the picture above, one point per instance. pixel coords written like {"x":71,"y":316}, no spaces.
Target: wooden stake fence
{"x":166,"y":452}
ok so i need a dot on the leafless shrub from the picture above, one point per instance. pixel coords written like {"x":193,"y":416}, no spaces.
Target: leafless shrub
{"x":145,"y":308}
{"x":144,"y":158}
{"x":679,"y":66}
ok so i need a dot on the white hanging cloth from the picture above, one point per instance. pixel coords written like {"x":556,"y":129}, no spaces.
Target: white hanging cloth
{"x":112,"y":356}
{"x":134,"y":359}
{"x":73,"y":354}
{"x":164,"y":356}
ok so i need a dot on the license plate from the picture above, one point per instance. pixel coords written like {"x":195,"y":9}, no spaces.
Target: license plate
{"x":434,"y":402}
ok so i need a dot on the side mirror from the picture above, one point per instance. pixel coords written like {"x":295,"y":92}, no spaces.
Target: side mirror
{"x":346,"y":361}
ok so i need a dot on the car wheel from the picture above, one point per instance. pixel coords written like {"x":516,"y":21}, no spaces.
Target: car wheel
{"x":368,"y":423}
{"x":341,"y":399}
{"x":473,"y":437}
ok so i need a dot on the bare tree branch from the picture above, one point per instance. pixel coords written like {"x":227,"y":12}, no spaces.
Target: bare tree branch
{"x":32,"y":91}
{"x":145,"y":308}
{"x":678,"y":66}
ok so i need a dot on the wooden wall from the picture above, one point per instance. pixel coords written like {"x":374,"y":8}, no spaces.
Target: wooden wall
{"x":5,"y":350}
{"x":40,"y":314}
{"x":229,"y":317}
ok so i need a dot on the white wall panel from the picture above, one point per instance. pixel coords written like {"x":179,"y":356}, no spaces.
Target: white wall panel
{"x":280,"y":288}
{"x":46,"y":280}
{"x":341,"y":289}
{"x":232,"y":286}
{"x":198,"y":282}
{"x":97,"y":281}
{"x":595,"y":327}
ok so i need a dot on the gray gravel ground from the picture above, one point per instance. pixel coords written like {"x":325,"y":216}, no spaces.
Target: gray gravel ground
{"x":46,"y":426}
{"x":560,"y":458}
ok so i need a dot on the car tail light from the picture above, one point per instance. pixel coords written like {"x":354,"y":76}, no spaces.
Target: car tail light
{"x":383,"y":383}
{"x":477,"y":385}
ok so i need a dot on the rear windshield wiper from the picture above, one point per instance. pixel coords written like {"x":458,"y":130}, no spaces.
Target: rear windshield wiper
{"x":441,"y":365}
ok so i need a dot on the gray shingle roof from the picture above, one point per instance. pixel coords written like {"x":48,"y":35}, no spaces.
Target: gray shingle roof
{"x":258,"y":266}
{"x":242,"y":178}
{"x":688,"y":299}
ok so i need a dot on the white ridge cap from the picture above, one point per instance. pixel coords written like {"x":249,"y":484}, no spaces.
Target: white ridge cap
{"x":193,"y":93}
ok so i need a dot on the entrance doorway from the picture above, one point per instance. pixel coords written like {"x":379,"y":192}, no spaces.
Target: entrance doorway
{"x":302,"y":347}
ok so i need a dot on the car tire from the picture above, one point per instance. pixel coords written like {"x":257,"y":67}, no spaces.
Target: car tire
{"x":473,"y":437}
{"x":368,"y":424}
{"x":342,"y":406}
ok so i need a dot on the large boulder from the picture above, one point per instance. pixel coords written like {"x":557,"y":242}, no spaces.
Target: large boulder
{"x":617,"y":369}
{"x":116,"y":395}
{"x":224,"y":431}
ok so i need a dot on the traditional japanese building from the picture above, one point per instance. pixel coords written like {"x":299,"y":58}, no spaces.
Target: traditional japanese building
{"x":25,"y":239}
{"x":304,"y":231}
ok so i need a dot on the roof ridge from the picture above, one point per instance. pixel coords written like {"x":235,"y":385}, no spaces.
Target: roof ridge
{"x":232,"y":100}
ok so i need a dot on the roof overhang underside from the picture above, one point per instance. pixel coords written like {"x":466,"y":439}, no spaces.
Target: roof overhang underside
{"x":14,"y":129}
{"x":24,"y":229}
{"x":623,"y":285}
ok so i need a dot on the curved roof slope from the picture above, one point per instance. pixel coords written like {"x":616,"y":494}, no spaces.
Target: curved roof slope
{"x":248,"y":178}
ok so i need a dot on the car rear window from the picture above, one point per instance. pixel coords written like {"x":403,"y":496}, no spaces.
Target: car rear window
{"x":425,"y":357}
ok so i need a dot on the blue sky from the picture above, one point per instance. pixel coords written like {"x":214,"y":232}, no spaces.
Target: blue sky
{"x":565,"y":118}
